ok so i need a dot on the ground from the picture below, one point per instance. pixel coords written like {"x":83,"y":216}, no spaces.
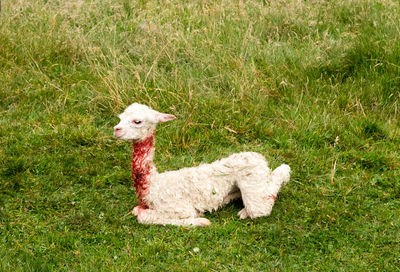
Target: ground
{"x":314,"y":84}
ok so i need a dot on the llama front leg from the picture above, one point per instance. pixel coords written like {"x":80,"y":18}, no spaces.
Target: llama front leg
{"x":149,"y":216}
{"x":260,"y":201}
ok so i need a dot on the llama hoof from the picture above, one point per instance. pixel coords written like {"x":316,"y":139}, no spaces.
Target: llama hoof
{"x":135,"y":210}
{"x":138,"y":210}
{"x":203,"y":222}
{"x":243,"y":214}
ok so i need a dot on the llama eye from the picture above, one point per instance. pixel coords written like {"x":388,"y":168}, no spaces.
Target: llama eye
{"x":137,"y":122}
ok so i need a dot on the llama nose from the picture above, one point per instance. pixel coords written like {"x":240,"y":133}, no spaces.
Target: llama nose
{"x":118,"y":131}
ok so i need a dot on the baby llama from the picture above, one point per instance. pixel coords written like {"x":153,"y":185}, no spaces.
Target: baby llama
{"x":181,"y":197}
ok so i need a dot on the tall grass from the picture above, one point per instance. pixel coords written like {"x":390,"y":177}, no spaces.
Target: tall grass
{"x":315,"y":84}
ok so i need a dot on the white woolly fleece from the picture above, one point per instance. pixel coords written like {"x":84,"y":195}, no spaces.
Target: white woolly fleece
{"x":181,"y":197}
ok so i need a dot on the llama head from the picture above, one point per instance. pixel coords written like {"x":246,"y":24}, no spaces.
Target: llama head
{"x":138,"y":122}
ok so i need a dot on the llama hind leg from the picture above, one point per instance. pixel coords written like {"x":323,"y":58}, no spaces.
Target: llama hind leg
{"x":149,"y":216}
{"x":260,"y":201}
{"x":231,"y":197}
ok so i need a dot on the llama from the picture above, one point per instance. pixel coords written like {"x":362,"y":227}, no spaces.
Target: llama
{"x":181,"y":197}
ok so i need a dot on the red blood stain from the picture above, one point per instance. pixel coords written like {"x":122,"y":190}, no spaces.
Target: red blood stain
{"x":272,"y":197}
{"x":141,"y":166}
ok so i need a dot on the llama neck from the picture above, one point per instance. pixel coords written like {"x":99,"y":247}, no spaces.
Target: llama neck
{"x":142,"y":166}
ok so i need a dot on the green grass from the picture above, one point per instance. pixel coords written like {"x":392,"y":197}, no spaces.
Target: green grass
{"x":314,"y":84}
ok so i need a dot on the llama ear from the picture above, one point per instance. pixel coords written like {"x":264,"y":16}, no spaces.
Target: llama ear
{"x":163,"y":117}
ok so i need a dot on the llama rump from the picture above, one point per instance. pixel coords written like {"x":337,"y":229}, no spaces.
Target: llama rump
{"x":181,"y":197}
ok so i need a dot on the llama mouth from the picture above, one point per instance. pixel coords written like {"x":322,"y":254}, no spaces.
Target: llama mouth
{"x":119,"y":135}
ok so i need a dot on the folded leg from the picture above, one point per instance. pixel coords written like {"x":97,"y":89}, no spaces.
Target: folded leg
{"x":259,"y":197}
{"x":148,"y":216}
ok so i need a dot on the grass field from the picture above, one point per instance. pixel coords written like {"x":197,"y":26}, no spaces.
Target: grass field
{"x":314,"y":84}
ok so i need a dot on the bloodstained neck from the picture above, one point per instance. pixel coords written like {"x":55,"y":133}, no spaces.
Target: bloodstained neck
{"x":142,"y":165}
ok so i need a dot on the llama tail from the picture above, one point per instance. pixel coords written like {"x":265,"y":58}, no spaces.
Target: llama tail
{"x":281,"y":174}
